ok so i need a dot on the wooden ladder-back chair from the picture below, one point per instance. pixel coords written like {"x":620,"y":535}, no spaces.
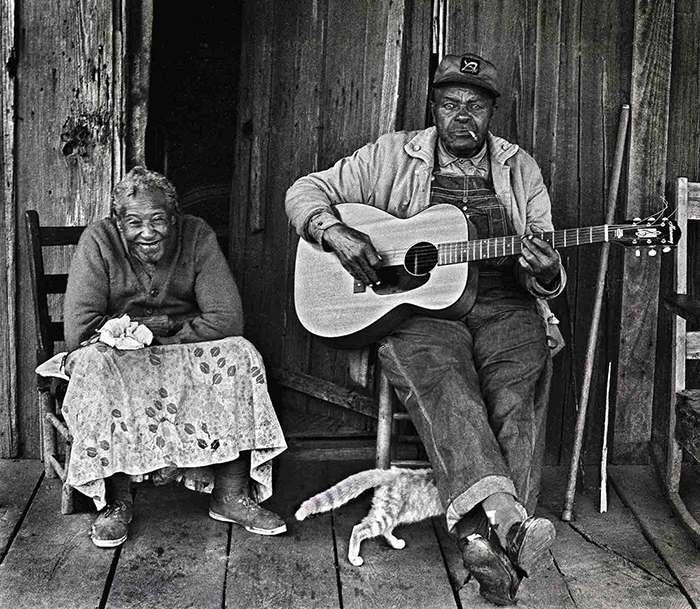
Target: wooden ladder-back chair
{"x":684,"y":411}
{"x":49,"y":332}
{"x":389,"y":413}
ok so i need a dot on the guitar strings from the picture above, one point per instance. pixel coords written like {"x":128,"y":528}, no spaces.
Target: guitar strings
{"x":557,"y":238}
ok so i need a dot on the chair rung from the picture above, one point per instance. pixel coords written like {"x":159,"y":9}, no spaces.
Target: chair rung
{"x":408,"y":439}
{"x":58,"y":468}
{"x":402,"y":416}
{"x":59,"y":425}
{"x":410,"y":463}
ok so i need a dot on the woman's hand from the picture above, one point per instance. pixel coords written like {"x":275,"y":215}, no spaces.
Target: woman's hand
{"x":160,"y":325}
{"x":540,"y":260}
{"x":355,"y":252}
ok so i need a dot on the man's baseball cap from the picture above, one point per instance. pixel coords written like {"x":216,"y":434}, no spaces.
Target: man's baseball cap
{"x":467,"y":69}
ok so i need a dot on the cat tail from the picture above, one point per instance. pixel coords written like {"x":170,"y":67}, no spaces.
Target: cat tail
{"x":346,"y":490}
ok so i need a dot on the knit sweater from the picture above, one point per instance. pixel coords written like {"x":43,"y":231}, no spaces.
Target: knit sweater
{"x":191,"y":297}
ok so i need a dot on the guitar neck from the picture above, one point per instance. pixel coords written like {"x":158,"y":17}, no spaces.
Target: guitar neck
{"x":497,"y":247}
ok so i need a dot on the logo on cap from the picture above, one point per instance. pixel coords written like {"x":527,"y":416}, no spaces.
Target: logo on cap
{"x":470,"y":66}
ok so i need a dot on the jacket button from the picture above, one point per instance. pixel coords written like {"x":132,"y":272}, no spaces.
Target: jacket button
{"x":154,"y":292}
{"x":149,"y":311}
{"x":416,"y":147}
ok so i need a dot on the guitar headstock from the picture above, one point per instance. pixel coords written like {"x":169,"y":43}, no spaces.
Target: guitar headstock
{"x":651,"y":232}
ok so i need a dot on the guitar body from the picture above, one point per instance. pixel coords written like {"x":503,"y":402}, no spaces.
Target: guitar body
{"x":331,"y":304}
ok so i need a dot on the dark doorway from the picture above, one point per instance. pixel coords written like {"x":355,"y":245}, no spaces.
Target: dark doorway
{"x":193,"y":103}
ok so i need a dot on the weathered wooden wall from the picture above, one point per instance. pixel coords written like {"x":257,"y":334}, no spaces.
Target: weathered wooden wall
{"x":566,"y":68}
{"x":8,"y":360}
{"x":68,"y":132}
{"x":319,"y":78}
{"x":682,"y":160}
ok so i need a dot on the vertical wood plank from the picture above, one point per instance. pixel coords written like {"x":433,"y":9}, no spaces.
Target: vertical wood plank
{"x":605,"y":53}
{"x":68,"y":112}
{"x":140,"y":35}
{"x":9,"y":439}
{"x":651,"y":76}
{"x":417,"y":65}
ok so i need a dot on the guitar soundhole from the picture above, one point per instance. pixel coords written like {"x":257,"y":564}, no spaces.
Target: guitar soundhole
{"x":421,"y":259}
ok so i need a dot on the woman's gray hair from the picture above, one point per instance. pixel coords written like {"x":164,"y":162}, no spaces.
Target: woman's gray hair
{"x":139,"y":179}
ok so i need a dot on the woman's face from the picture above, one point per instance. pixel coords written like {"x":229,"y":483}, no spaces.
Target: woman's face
{"x":147,"y":225}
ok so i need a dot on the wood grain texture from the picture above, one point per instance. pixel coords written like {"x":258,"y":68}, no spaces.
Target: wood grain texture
{"x":140,"y":37}
{"x":601,"y":557}
{"x":69,"y":116}
{"x":52,"y":561}
{"x":9,"y":434}
{"x":294,"y":570}
{"x":175,"y":557}
{"x":640,"y":491}
{"x":18,"y":480}
{"x":651,"y":76}
{"x":417,"y":575}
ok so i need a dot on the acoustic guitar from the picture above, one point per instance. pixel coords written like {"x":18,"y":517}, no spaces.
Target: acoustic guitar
{"x":425,"y":268}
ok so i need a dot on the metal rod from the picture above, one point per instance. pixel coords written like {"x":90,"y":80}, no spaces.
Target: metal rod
{"x":595,"y":322}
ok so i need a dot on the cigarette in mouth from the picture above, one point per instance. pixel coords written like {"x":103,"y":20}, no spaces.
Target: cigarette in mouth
{"x":472,"y":135}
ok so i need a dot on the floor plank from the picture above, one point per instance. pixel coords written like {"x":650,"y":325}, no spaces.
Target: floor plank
{"x":604,"y":558}
{"x":412,"y":577}
{"x":52,"y":561}
{"x":616,"y":530}
{"x":18,"y":480}
{"x":295,"y":570}
{"x":175,"y":556}
{"x":640,"y":490}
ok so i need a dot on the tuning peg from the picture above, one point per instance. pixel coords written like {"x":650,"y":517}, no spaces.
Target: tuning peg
{"x":636,"y":219}
{"x":637,"y":252}
{"x":667,"y":249}
{"x":652,"y":252}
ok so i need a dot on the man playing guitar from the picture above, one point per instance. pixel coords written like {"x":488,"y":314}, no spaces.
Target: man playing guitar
{"x":472,"y":385}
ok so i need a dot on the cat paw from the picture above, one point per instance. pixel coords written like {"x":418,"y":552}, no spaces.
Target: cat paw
{"x":357,"y":561}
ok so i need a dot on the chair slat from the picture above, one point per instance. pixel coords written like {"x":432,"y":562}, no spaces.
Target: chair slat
{"x":692,"y":345}
{"x":56,"y":331}
{"x":60,"y":235}
{"x":56,"y":284}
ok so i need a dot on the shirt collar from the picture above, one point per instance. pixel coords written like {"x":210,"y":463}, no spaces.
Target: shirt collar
{"x":446,"y":158}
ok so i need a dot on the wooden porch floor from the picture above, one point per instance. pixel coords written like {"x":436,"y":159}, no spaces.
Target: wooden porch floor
{"x":634,"y":556}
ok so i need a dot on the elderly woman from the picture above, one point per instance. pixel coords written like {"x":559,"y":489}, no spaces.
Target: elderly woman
{"x":195,"y":397}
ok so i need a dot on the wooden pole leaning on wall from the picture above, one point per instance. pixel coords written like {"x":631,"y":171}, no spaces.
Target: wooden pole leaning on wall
{"x":595,"y":322}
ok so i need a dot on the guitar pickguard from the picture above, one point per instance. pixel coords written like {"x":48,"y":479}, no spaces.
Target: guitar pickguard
{"x":395,"y":280}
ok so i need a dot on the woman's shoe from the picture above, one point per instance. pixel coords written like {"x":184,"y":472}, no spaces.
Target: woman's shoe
{"x":111,"y":527}
{"x":241,"y":509}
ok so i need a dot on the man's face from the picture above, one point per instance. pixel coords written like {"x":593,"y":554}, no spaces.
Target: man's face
{"x":147,"y":226}
{"x":462,"y":115}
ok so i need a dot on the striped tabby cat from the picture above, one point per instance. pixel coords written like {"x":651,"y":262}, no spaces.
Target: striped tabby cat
{"x":401,"y":496}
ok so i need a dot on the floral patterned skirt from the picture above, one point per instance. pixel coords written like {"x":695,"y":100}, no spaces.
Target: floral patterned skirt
{"x":168,"y":407}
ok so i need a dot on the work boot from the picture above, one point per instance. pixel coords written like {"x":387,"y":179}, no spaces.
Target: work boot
{"x":111,"y":527}
{"x":230,"y":501}
{"x":490,"y":566}
{"x":528,"y":545}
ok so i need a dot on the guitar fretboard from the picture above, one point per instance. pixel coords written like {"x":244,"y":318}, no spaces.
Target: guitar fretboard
{"x":496,"y":247}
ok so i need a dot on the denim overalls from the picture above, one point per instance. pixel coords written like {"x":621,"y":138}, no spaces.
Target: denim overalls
{"x":471,"y":386}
